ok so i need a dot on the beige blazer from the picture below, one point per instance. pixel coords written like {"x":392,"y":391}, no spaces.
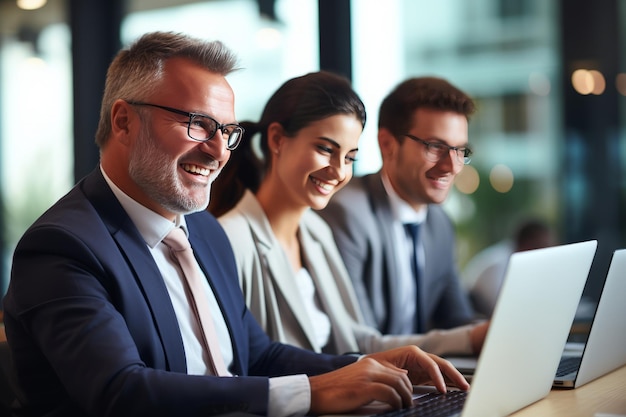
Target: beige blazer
{"x":269,"y":288}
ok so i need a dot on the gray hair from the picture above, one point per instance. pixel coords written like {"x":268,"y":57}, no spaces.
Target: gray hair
{"x":135,"y":72}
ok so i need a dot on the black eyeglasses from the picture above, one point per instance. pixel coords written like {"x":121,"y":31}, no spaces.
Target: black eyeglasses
{"x":437,"y":150}
{"x":201,"y":127}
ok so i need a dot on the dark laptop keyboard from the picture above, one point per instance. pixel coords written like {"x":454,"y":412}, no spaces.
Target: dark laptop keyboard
{"x":433,"y":404}
{"x":568,"y":365}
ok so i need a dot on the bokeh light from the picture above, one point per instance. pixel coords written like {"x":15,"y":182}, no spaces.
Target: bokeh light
{"x":588,"y":82}
{"x":620,"y":83}
{"x":31,"y":4}
{"x":468,"y":180}
{"x":501,"y":178}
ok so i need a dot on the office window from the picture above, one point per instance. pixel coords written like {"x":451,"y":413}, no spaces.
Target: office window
{"x":36,"y":123}
{"x":35,"y":119}
{"x":270,"y":50}
{"x":504,"y":54}
{"x":514,"y":113}
{"x":514,"y":8}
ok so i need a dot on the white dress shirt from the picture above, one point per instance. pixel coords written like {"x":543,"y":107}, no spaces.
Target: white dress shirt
{"x":403,"y":213}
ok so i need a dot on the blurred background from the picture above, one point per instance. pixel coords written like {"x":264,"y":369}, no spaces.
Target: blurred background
{"x":549,"y":78}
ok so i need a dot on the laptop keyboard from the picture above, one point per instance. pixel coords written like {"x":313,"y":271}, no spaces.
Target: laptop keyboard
{"x":568,"y":365}
{"x":434,"y":404}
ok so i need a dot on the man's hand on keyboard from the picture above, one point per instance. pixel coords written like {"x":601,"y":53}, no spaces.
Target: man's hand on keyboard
{"x":386,"y":376}
{"x":424,"y":368}
{"x":358,"y":384}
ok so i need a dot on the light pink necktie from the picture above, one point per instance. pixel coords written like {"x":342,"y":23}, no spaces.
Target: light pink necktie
{"x":181,"y":250}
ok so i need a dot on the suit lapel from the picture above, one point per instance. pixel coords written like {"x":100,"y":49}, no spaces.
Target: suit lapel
{"x":380,"y":203}
{"x":276,"y":265}
{"x":283,"y":279}
{"x":157,"y":298}
{"x":142,"y":263}
{"x":326,"y":289}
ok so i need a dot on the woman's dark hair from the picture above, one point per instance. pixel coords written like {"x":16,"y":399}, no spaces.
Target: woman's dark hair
{"x":295,"y":105}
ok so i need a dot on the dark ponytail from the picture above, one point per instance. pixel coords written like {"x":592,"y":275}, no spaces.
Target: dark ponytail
{"x":243,"y":171}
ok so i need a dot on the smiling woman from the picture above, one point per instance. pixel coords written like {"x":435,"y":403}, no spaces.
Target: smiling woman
{"x":308,"y":132}
{"x":311,"y":121}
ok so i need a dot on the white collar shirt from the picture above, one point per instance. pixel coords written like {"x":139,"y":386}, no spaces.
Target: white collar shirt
{"x":403,"y":213}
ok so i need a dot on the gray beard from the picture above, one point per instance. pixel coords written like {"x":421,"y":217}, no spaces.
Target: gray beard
{"x":157,"y":175}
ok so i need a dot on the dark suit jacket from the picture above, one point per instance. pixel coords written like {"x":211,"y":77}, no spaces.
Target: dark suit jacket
{"x":93,"y":332}
{"x":360,"y":216}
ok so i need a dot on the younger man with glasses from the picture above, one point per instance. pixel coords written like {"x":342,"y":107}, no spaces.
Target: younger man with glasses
{"x":423,"y":140}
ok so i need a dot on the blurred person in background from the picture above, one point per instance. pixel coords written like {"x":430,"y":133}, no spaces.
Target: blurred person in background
{"x":483,"y":275}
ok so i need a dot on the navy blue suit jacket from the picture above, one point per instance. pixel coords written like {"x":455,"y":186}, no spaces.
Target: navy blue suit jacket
{"x":93,"y":332}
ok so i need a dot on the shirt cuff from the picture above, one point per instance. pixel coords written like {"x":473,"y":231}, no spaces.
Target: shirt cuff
{"x":289,"y":396}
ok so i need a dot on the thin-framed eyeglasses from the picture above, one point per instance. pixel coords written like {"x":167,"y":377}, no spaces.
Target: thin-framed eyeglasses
{"x":201,"y":127}
{"x":437,"y":150}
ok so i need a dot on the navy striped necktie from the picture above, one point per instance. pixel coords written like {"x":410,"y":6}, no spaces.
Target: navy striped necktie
{"x":412,"y":230}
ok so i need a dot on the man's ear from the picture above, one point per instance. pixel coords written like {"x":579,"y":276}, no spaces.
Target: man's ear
{"x":123,"y":120}
{"x":387,"y":143}
{"x":275,"y":137}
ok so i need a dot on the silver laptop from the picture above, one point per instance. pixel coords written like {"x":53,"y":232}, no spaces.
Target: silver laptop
{"x":605,"y":348}
{"x":528,"y":330}
{"x":529,"y":327}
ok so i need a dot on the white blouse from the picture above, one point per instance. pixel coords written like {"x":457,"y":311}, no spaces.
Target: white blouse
{"x":319,"y":319}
